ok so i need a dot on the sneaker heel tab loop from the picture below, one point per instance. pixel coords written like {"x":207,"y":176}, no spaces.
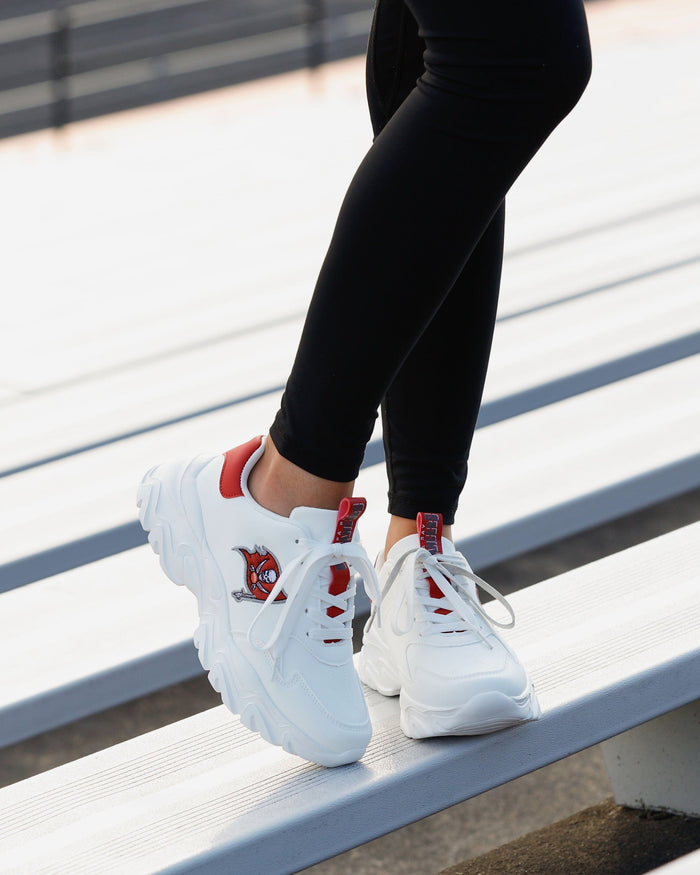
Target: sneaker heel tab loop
{"x":230,"y":485}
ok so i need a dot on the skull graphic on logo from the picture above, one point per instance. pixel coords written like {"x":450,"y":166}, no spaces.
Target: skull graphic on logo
{"x":262,"y":573}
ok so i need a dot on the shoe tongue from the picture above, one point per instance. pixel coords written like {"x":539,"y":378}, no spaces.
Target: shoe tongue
{"x":405,"y":545}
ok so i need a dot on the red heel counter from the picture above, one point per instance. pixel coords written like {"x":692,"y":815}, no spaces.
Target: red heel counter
{"x":234,"y":462}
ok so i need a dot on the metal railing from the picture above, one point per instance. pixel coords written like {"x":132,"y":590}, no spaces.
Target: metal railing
{"x":65,"y":60}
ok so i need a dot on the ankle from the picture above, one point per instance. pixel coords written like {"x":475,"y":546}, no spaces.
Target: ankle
{"x":279,"y":485}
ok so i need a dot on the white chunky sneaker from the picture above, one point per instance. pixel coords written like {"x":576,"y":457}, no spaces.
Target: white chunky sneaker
{"x":275,"y":598}
{"x":437,"y":648}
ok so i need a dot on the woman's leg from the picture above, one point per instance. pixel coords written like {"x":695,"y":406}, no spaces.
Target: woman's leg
{"x":499,"y":77}
{"x":274,"y":587}
{"x":448,"y":363}
{"x":468,"y":681}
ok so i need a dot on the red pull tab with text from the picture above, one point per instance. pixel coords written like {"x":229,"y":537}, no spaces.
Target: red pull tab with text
{"x":349,"y":512}
{"x":430,"y":536}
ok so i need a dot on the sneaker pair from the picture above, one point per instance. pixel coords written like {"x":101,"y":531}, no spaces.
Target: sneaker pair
{"x":276,"y":602}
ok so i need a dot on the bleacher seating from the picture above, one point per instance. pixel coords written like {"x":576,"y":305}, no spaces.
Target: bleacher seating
{"x":606,"y":651}
{"x":590,"y":413}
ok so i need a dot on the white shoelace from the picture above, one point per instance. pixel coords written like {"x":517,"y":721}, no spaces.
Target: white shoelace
{"x":451,"y":575}
{"x":301,"y":584}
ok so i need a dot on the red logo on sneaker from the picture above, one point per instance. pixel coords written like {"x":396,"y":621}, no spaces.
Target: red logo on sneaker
{"x":262,"y":573}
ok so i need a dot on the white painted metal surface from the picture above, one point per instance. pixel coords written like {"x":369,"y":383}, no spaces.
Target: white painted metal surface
{"x":577,"y":463}
{"x":144,"y":340}
{"x":155,"y":299}
{"x":610,"y":646}
{"x":90,"y":638}
{"x":657,"y":765}
{"x":549,"y":472}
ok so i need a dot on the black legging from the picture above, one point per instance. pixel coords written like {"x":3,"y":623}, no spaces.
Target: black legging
{"x":405,"y":303}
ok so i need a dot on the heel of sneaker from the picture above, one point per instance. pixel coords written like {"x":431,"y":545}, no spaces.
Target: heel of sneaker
{"x":172,"y":521}
{"x":160,"y":535}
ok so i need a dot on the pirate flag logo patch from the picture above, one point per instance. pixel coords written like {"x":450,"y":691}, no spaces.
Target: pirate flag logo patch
{"x":262,"y":573}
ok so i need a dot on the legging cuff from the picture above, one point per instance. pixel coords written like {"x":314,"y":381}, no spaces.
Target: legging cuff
{"x":342,"y":467}
{"x":409,"y":506}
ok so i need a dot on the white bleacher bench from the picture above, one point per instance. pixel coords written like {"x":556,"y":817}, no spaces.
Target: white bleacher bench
{"x":596,"y":465}
{"x":610,"y":646}
{"x":590,"y":407}
{"x":590,"y":413}
{"x":603,"y":456}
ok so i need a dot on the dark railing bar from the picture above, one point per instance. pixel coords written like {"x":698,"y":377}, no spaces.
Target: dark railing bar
{"x":60,"y":65}
{"x":314,"y":15}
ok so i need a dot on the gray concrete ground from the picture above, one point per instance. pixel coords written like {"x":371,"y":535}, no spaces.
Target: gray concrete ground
{"x":604,"y":839}
{"x":460,"y":833}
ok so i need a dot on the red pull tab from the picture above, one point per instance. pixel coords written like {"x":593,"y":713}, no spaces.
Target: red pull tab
{"x":430,"y":531}
{"x":430,"y":535}
{"x":349,"y":512}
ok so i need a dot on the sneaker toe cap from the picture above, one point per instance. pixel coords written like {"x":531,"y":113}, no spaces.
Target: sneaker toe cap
{"x":328,"y":707}
{"x":447,"y":676}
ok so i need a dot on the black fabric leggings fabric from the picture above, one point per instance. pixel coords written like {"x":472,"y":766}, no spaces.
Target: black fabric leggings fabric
{"x":462,"y":93}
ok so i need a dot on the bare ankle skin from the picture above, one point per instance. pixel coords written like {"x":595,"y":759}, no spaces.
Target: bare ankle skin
{"x":279,"y":485}
{"x":401,"y":527}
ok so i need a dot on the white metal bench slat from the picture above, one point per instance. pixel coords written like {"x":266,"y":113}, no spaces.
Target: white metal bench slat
{"x":514,"y":501}
{"x":549,"y":345}
{"x":552,"y":196}
{"x":609,"y":645}
{"x":548,"y":473}
{"x":114,"y":629}
{"x":613,"y":428}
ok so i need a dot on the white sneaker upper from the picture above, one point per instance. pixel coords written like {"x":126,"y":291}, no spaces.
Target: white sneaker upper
{"x":437,"y":647}
{"x":276,"y":600}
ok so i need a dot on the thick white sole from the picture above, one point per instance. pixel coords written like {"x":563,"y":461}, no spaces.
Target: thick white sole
{"x":170,"y":512}
{"x":482,"y":713}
